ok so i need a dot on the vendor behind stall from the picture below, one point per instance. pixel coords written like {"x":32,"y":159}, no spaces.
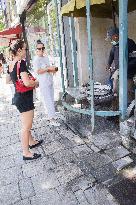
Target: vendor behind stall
{"x":113,"y":36}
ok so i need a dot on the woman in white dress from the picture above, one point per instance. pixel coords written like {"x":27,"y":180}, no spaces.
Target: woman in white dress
{"x":44,"y":73}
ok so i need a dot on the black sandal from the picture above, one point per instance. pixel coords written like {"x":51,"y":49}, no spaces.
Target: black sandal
{"x":35,"y":156}
{"x":36,"y":145}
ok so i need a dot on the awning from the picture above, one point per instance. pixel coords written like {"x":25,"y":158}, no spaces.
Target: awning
{"x":99,"y":8}
{"x":74,"y":5}
{"x":11,"y":32}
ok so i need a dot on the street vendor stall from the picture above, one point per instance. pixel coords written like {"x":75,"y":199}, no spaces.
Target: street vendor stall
{"x":102,"y":9}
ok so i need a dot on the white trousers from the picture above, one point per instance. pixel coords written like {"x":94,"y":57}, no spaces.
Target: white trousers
{"x":47,"y":94}
{"x":12,"y":87}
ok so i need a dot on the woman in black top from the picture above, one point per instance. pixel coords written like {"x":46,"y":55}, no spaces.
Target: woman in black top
{"x":24,"y":101}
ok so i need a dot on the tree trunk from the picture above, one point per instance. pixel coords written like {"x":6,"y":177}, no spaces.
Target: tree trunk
{"x":22,"y":21}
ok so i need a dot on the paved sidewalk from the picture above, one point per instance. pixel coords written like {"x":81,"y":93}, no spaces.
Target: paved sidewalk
{"x":72,"y":170}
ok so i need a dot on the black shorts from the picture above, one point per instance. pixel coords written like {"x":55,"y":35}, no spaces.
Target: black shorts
{"x":24,"y":101}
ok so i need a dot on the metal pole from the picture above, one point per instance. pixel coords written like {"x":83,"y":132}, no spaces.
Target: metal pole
{"x":59,"y":42}
{"x":90,"y":59}
{"x":50,"y":27}
{"x":74,"y":52}
{"x":123,"y":56}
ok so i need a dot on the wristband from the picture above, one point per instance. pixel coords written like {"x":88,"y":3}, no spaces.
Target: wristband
{"x":56,"y":69}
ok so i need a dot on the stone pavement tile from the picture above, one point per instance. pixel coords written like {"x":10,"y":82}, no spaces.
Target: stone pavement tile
{"x":11,"y":149}
{"x":72,"y":137}
{"x":104,"y":173}
{"x":26,"y":188}
{"x":52,"y":147}
{"x":94,"y":148}
{"x":49,"y":197}
{"x":77,"y":140}
{"x":81,"y":183}
{"x":40,"y":132}
{"x":33,"y":168}
{"x":99,"y":196}
{"x":122,"y":163}
{"x":66,"y":142}
{"x":82,"y":150}
{"x":4,"y":133}
{"x":68,"y":172}
{"x":49,"y":137}
{"x":14,"y":138}
{"x":23,"y":202}
{"x":49,"y":163}
{"x":9,"y":194}
{"x":64,"y":156}
{"x":103,"y":140}
{"x":69,"y":199}
{"x":81,"y":197}
{"x":134,"y":150}
{"x":45,"y":181}
{"x":4,"y":142}
{"x":67,"y":196}
{"x":18,"y":158}
{"x":113,"y":144}
{"x":9,"y":176}
{"x":86,"y":168}
{"x":37,"y":167}
{"x":117,"y":153}
{"x":7,"y":162}
{"x":6,"y":151}
{"x":63,"y":129}
{"x":96,"y":160}
{"x":16,"y":148}
{"x":114,"y":180}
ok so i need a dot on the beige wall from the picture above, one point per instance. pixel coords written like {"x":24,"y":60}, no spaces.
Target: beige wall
{"x":132,"y":25}
{"x":101,"y":47}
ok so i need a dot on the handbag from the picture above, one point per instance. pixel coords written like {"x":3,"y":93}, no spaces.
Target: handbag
{"x":20,"y":87}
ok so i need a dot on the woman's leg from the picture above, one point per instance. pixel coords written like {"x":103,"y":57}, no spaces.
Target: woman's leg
{"x":27,"y":120}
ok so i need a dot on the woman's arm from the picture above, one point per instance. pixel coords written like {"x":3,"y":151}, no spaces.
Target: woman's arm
{"x":49,"y":69}
{"x":25,"y":77}
{"x":8,"y":79}
{"x":52,"y":69}
{"x":41,"y":71}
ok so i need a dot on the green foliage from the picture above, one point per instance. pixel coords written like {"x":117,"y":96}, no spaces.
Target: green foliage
{"x":2,"y":25}
{"x":53,"y":19}
{"x":38,"y":11}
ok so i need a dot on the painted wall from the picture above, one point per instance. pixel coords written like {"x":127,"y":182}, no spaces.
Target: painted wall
{"x":67,"y":62}
{"x":132,"y":25}
{"x":100,"y":48}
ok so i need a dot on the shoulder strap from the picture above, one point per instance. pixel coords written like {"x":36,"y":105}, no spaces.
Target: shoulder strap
{"x":18,"y":69}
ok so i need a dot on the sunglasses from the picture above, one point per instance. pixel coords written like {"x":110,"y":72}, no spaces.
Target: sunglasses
{"x":43,"y":48}
{"x":26,"y":49}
